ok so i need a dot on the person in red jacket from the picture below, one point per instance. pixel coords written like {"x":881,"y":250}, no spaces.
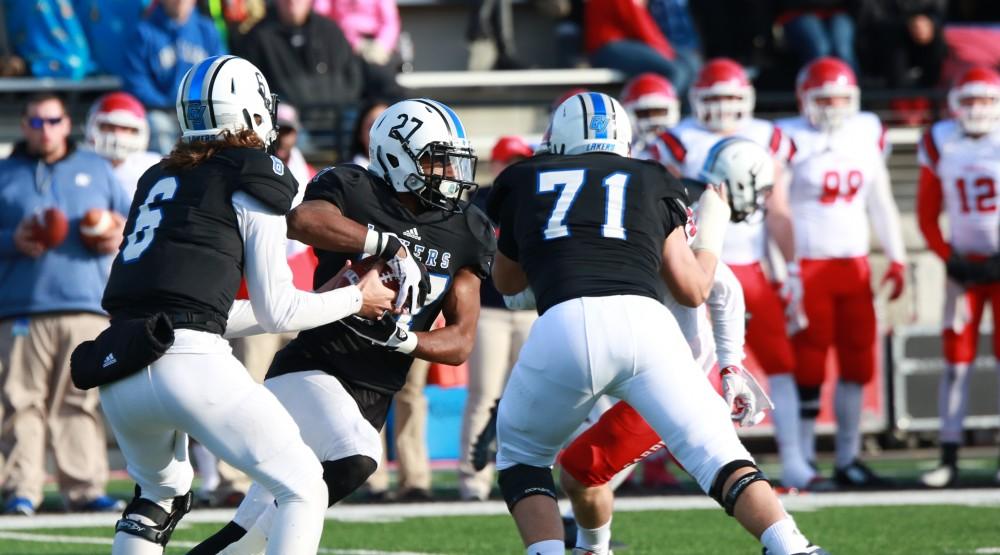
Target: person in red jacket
{"x":620,"y":34}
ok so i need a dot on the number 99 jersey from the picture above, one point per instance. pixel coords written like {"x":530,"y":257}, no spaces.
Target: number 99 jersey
{"x":832,"y":176}
{"x":588,"y":225}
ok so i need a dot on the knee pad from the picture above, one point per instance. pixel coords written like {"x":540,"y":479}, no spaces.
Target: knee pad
{"x":344,"y":476}
{"x":728,"y":501}
{"x":808,"y":401}
{"x":521,"y":480}
{"x":164,"y":522}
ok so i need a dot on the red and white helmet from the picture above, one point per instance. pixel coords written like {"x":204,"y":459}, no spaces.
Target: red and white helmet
{"x":651,"y":102}
{"x":827,"y":78}
{"x":119,"y":109}
{"x":722,"y":96}
{"x":976,"y":118}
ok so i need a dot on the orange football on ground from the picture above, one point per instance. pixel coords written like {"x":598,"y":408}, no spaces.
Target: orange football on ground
{"x":50,"y":227}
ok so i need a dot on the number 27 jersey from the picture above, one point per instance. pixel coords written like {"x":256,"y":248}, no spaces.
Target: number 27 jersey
{"x":588,"y":225}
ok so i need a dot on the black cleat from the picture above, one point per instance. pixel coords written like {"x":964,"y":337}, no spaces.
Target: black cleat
{"x":858,"y":475}
{"x":483,"y":449}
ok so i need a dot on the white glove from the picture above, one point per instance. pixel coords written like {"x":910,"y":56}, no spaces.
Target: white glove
{"x":414,"y":282}
{"x":745,"y":397}
{"x":791,"y":293}
{"x":525,"y":300}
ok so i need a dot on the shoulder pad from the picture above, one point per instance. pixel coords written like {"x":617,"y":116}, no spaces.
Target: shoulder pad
{"x":266,"y":178}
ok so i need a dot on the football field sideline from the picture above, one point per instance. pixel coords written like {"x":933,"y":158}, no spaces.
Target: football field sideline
{"x":391,"y":512}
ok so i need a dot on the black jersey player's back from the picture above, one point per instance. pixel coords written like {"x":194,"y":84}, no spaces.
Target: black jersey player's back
{"x":587,"y":225}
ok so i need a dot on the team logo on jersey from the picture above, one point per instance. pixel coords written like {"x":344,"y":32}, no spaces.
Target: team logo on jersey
{"x":599,"y":123}
{"x":196,"y":114}
{"x":277,"y":165}
{"x":412,"y":232}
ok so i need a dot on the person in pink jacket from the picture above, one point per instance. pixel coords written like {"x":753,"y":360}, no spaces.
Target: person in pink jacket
{"x":371,"y":26}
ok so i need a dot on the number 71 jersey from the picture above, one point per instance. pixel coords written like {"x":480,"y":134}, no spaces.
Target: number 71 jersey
{"x":832,"y":176}
{"x":587,"y":225}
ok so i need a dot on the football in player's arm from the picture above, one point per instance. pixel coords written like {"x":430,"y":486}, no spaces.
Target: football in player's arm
{"x":408,"y":207}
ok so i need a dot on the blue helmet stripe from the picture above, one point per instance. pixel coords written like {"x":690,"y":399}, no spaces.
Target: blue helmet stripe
{"x":194,"y":88}
{"x":459,"y":129}
{"x":597,"y":99}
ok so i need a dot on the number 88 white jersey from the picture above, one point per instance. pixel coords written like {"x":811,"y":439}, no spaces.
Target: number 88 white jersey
{"x":968,"y":170}
{"x":832,"y":176}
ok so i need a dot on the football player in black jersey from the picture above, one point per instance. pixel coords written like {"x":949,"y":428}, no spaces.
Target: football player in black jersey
{"x":591,"y":233}
{"x":210,"y":212}
{"x":337,"y":381}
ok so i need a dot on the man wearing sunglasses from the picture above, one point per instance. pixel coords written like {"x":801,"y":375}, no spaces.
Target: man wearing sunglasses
{"x":50,"y":301}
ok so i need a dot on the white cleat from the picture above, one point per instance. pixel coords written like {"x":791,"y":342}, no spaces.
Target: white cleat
{"x":941,"y":477}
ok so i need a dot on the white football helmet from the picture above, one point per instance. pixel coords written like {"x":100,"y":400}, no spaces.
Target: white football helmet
{"x":117,"y":110}
{"x":745,"y":169}
{"x":590,"y":122}
{"x":226,"y":92}
{"x":420,"y":146}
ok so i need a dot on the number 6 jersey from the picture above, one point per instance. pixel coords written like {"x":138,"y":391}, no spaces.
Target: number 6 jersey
{"x":588,"y":225}
{"x":183,"y":252}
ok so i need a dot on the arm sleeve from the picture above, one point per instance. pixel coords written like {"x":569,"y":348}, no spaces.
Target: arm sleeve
{"x":727,"y":309}
{"x":242,"y":322}
{"x":388,"y":34}
{"x":929,"y":200}
{"x":885,"y":216}
{"x":276,"y":303}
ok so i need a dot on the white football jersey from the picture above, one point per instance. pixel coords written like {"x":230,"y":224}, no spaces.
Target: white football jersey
{"x":832,"y":176}
{"x":969,"y":170}
{"x":687,"y":149}
{"x":132,"y":168}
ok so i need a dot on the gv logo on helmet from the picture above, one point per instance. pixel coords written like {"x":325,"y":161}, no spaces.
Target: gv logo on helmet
{"x":599,"y":123}
{"x":196,"y":114}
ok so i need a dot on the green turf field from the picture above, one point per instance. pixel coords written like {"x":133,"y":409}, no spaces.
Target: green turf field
{"x":937,"y":529}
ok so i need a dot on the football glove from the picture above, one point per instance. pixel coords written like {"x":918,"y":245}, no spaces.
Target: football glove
{"x":385,"y":332}
{"x":745,"y":397}
{"x":896,"y":277}
{"x":791,"y":288}
{"x":414,"y":282}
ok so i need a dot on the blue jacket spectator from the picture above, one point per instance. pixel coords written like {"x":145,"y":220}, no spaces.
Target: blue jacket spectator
{"x":78,"y":182}
{"x":109,"y":25}
{"x":50,"y":38}
{"x":165,"y":45}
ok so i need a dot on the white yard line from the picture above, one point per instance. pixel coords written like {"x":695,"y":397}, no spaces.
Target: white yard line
{"x":395,"y":512}
{"x":52,"y":538}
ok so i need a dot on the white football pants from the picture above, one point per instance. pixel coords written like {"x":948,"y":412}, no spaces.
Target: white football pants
{"x":625,"y":346}
{"x":199,"y":389}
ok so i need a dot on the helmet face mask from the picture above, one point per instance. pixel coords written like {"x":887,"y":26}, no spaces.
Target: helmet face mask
{"x":975,"y":101}
{"x":828,"y":93}
{"x":418,"y":146}
{"x":116,"y":126}
{"x":722,"y":97}
{"x":226,"y":93}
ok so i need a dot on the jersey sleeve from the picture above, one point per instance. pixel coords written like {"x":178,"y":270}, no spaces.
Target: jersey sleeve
{"x":486,"y":241}
{"x":500,"y":208}
{"x":673,"y":197}
{"x":666,"y":149}
{"x":266,"y":179}
{"x":928,"y":154}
